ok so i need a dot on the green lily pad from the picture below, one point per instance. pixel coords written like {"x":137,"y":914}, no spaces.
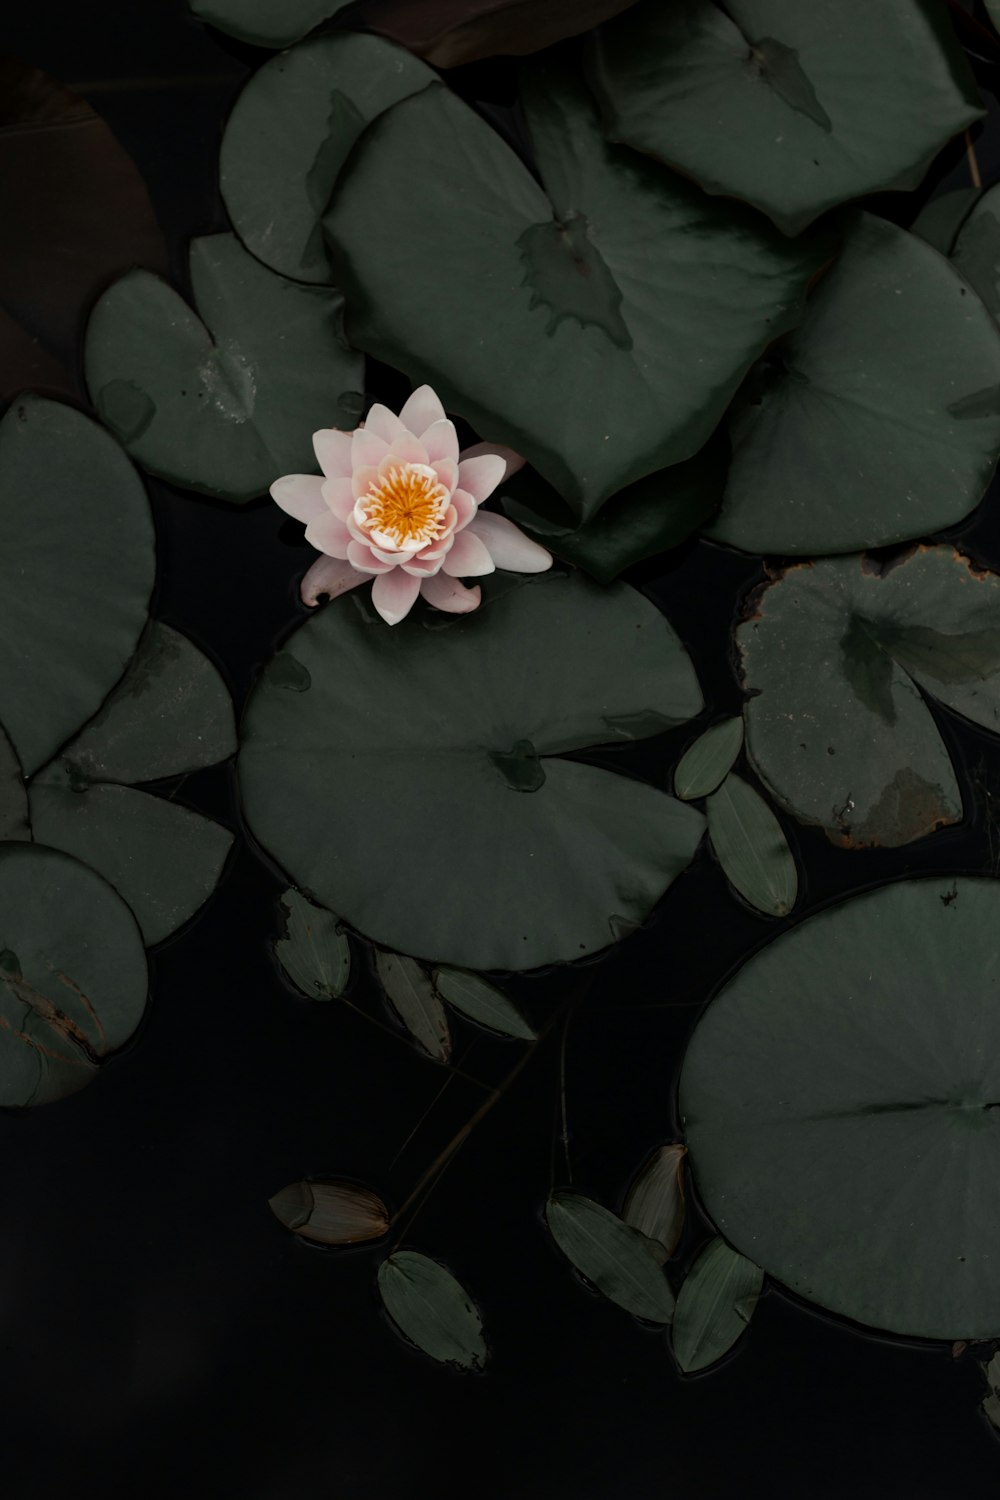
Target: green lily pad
{"x":432,"y":1309}
{"x":482,"y":1002}
{"x":878,"y":419}
{"x":751,"y":847}
{"x":314,"y":953}
{"x":706,"y":764}
{"x":977,"y":249}
{"x":655,"y":1202}
{"x":838,"y":657}
{"x":452,"y":32}
{"x":611,"y":1255}
{"x":411,"y":994}
{"x":13,"y":796}
{"x":266,"y":23}
{"x":76,"y":569}
{"x":72,"y":974}
{"x":714,"y":1306}
{"x":289,"y":134}
{"x":170,"y":714}
{"x":774,"y":103}
{"x":841,"y":1099}
{"x":465,"y":725}
{"x":940,"y":220}
{"x":226,"y":400}
{"x":601,"y":330}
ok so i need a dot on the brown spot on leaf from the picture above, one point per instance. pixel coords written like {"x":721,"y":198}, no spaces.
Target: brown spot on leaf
{"x":908,"y":808}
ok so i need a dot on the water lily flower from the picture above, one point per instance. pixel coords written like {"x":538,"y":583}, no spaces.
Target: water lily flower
{"x":398,"y":503}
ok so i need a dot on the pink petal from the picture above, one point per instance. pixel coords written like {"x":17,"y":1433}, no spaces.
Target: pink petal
{"x":507,"y":544}
{"x":384,"y":423}
{"x":468,"y":558}
{"x":420,"y":410}
{"x":359,"y":555}
{"x":441,"y":441}
{"x":394,"y":594}
{"x":328,"y":575}
{"x":356,"y":531}
{"x":405,"y":449}
{"x":328,"y":534}
{"x":367,"y":449}
{"x":441,"y":547}
{"x":480,"y":476}
{"x":363,"y":480}
{"x":465,"y":508}
{"x":446,"y":470}
{"x":299,"y":495}
{"x":513,"y":460}
{"x":450,"y":595}
{"x":333,"y":452}
{"x":394,"y":557}
{"x":339,"y":496}
{"x":422,"y":566}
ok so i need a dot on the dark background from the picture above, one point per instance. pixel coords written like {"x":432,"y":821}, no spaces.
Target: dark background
{"x":162,"y":1335}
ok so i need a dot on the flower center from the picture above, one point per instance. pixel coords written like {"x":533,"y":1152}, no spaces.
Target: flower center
{"x":405,"y":507}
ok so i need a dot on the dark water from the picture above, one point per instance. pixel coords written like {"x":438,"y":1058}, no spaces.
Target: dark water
{"x":162,"y":1336}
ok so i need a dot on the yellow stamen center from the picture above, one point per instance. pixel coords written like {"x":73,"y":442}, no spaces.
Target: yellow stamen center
{"x":405,"y":507}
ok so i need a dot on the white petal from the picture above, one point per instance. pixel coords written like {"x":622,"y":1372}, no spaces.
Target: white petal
{"x":507,"y":544}
{"x":480,"y":476}
{"x":513,"y":460}
{"x":450,"y":595}
{"x":333,"y":452}
{"x":384,"y":423}
{"x":441,"y":441}
{"x":329,"y":575}
{"x":394,"y":594}
{"x":328,"y":534}
{"x":300,"y":495}
{"x":420,"y":409}
{"x":469,"y":557}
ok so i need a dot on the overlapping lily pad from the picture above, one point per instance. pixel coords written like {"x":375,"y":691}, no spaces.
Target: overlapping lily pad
{"x":415,"y":780}
{"x":171,"y":714}
{"x":76,"y":569}
{"x":266,"y":23}
{"x":451,"y":32}
{"x":841,"y":1099}
{"x":226,"y":399}
{"x":838,"y":657}
{"x":72,"y":974}
{"x":600,"y":328}
{"x":977,"y":249}
{"x":291,"y":131}
{"x":13,"y":796}
{"x":794,"y":108}
{"x":878,"y":419}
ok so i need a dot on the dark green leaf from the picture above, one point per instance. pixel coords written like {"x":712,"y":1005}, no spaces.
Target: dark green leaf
{"x":432,"y":1309}
{"x":705,"y":764}
{"x":840,"y":1099}
{"x":482,"y":1002}
{"x":314,"y":953}
{"x":266,"y":23}
{"x":451,"y":32}
{"x":774,"y":103}
{"x":474,"y":874}
{"x":411,"y":994}
{"x":751,"y":847}
{"x":655,"y":1202}
{"x":611,"y":1255}
{"x":291,"y":131}
{"x":977,"y":250}
{"x":13,"y":797}
{"x":227,"y":400}
{"x":714,"y":1306}
{"x":598,"y":379}
{"x":332,"y":1213}
{"x":72,"y":974}
{"x":940,"y":220}
{"x":893,"y":379}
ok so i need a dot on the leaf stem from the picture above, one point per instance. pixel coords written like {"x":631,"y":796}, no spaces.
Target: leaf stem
{"x":970,"y":152}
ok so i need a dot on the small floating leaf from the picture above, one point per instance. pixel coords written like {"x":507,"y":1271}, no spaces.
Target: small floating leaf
{"x":714,"y":1305}
{"x":332,"y":1213}
{"x":705,"y":764}
{"x":432,"y":1309}
{"x":314,"y":953}
{"x":655,"y":1201}
{"x":482,"y":1002}
{"x":611,"y":1255}
{"x":411,"y":995}
{"x":266,"y":23}
{"x":751,"y":847}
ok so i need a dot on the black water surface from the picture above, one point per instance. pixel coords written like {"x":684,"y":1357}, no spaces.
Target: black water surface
{"x":162,"y":1336}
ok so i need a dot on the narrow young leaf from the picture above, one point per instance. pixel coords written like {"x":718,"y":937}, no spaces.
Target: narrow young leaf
{"x":314,"y":953}
{"x":432,"y":1309}
{"x":751,"y":847}
{"x":714,"y":1305}
{"x":705,"y":764}
{"x":411,"y":994}
{"x":655,"y":1202}
{"x":611,"y":1255}
{"x":482,"y":1002}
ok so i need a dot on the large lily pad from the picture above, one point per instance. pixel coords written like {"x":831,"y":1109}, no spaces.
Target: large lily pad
{"x":266,"y":23}
{"x":413,"y":779}
{"x":13,"y":796}
{"x":792,"y":107}
{"x":76,"y":569}
{"x":878,"y":419}
{"x":838,"y":657}
{"x":841,"y":1099}
{"x":227,"y":400}
{"x":600,"y":330}
{"x":171,"y":714}
{"x":451,"y":32}
{"x":72,"y":974}
{"x":290,"y":133}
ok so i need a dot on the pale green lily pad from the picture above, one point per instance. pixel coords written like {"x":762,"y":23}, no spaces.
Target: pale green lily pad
{"x":623,"y":308}
{"x":290,"y":132}
{"x":314,"y":953}
{"x":751,"y":847}
{"x":72,"y":974}
{"x":449,"y":724}
{"x":838,"y":656}
{"x":841,"y":1101}
{"x":411,"y":994}
{"x":76,"y":569}
{"x":266,"y":23}
{"x":706,"y":763}
{"x":482,"y":1002}
{"x":775,"y":103}
{"x":611,"y":1255}
{"x":714,"y":1306}
{"x":432,"y":1309}
{"x":878,"y":419}
{"x":222,"y":400}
